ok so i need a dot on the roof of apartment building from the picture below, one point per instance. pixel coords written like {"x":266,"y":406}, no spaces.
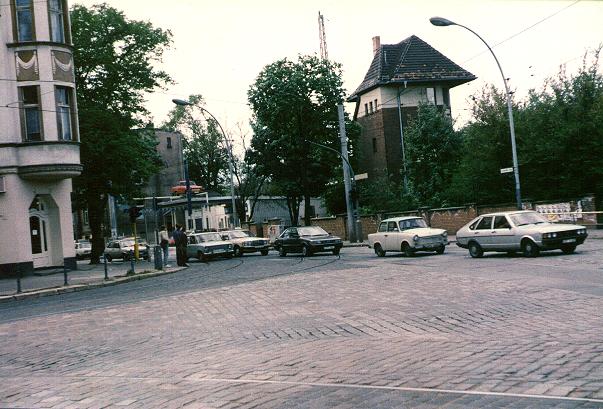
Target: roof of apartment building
{"x":412,"y":60}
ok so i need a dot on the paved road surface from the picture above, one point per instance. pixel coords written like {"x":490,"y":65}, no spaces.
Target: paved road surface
{"x":321,"y":332}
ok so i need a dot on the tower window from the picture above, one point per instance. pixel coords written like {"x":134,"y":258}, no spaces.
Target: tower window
{"x":366,"y":112}
{"x":374,"y":145}
{"x":23,"y":18}
{"x":56,"y":16}
{"x":371,"y":107}
{"x":64,"y":113}
{"x":169,"y":142}
{"x":30,"y":113}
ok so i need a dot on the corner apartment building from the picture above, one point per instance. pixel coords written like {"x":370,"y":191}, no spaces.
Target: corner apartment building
{"x":39,"y":148}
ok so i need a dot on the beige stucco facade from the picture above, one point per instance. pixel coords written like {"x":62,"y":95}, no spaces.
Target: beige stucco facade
{"x":39,"y":141}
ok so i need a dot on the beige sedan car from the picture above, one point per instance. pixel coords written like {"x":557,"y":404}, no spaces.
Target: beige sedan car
{"x":408,"y":235}
{"x":245,"y":242}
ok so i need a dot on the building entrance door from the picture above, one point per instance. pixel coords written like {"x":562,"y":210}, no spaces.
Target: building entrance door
{"x":38,"y":229}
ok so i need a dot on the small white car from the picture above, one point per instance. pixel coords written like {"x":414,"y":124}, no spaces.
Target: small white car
{"x":124,"y":248}
{"x":82,"y":249}
{"x":208,"y":245}
{"x":521,"y":230}
{"x":244,"y":242}
{"x":408,"y":235}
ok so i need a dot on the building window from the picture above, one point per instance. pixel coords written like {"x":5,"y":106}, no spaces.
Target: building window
{"x":374,"y":145}
{"x":371,"y":107}
{"x":366,"y":109}
{"x":64,"y":113}
{"x":375,"y":105}
{"x":23,"y":20}
{"x":30,"y":113}
{"x":169,"y":142}
{"x":57,"y":18}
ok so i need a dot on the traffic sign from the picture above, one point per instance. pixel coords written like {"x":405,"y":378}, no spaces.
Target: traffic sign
{"x":506,"y":170}
{"x":361,"y":176}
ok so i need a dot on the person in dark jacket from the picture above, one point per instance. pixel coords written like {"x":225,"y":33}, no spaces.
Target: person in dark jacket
{"x":180,"y":240}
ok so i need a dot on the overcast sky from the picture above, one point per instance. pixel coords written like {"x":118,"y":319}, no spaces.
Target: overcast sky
{"x":221,"y":46}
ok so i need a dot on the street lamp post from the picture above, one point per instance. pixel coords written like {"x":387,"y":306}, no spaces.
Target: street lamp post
{"x":230,"y":163}
{"x":442,"y":22}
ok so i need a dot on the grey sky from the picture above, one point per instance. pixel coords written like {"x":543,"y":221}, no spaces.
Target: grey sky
{"x":220,"y":47}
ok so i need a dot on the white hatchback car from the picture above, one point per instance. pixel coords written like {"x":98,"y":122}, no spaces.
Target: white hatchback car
{"x":522,"y":230}
{"x":408,"y":235}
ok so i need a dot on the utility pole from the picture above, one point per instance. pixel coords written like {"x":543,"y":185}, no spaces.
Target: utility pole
{"x":346,"y":175}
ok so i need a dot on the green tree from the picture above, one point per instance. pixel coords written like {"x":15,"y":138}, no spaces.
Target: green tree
{"x":203,"y":143}
{"x":433,"y":148}
{"x":486,"y":148}
{"x":116,"y":61}
{"x":295,"y":103}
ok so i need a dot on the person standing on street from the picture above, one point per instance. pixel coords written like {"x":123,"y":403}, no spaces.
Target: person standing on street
{"x":164,"y":242}
{"x":183,"y":244}
{"x":176,"y":237}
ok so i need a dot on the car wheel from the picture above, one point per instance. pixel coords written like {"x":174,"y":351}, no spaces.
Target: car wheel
{"x":379,"y":250}
{"x":529,"y":248}
{"x":281,"y":252}
{"x":475,"y":250}
{"x":306,"y":252}
{"x":264,"y":252}
{"x":441,"y":249}
{"x":336,"y":252}
{"x":407,"y":250}
{"x":200,"y":256}
{"x":108,"y":258}
{"x":568,"y":249}
{"x":238,"y":252}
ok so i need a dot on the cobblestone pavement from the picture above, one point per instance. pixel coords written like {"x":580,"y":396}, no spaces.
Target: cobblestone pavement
{"x":322,"y":332}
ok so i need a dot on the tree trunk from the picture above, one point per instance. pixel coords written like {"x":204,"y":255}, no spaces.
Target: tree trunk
{"x":293,"y":206}
{"x":96,"y":214}
{"x":307,"y":211}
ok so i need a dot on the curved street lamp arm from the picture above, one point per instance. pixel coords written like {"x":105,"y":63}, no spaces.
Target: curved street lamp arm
{"x":338,"y":154}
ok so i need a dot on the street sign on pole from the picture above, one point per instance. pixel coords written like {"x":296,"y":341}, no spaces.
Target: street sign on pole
{"x":361,"y":176}
{"x":506,"y":170}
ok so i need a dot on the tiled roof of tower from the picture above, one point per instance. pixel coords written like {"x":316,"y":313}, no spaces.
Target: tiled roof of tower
{"x":413,"y":61}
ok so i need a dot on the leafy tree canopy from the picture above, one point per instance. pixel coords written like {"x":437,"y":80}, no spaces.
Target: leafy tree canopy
{"x":115,"y":65}
{"x":294,"y":104}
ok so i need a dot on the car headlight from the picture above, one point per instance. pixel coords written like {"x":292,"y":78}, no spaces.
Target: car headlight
{"x":549,"y":235}
{"x":416,"y":238}
{"x":229,"y":247}
{"x":445,"y":234}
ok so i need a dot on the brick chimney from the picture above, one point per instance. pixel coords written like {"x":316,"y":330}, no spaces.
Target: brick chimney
{"x":376,"y":44}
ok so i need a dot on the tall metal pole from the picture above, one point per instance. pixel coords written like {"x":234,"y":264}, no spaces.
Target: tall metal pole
{"x":346,"y":175}
{"x":440,"y":21}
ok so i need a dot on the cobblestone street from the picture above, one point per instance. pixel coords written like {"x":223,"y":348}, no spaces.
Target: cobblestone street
{"x":320,"y":332}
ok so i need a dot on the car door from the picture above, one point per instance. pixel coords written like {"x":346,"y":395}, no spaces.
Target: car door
{"x":483,"y":232}
{"x":502,"y":237}
{"x":392,"y":242}
{"x":292,"y":240}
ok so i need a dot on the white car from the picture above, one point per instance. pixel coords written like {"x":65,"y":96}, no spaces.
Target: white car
{"x":82,"y":249}
{"x":244,"y":242}
{"x":208,"y":245}
{"x":521,"y":230}
{"x":408,"y":235}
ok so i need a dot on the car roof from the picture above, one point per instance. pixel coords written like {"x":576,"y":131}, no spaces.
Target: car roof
{"x":398,"y":219}
{"x":508,"y":212}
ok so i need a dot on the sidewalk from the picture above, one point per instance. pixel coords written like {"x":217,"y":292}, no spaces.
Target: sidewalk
{"x":51,"y":281}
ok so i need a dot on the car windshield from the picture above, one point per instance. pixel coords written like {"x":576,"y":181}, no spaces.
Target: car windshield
{"x":209,"y":237}
{"x":240,"y":234}
{"x":311,"y":231}
{"x":85,"y":245}
{"x":521,"y":219}
{"x":127,"y":243}
{"x":412,"y":224}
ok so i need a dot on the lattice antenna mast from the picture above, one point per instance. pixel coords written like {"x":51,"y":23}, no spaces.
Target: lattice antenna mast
{"x":323,"y":38}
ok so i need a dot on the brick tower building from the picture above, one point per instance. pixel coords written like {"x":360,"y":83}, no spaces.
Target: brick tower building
{"x":400,"y":78}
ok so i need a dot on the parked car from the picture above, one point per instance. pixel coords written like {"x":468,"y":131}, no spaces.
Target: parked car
{"x":245,"y":242}
{"x":180,"y":188}
{"x":408,"y":235}
{"x":526,"y":231}
{"x":208,"y":245}
{"x":307,"y":240}
{"x":123,"y":248}
{"x":82,"y":249}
